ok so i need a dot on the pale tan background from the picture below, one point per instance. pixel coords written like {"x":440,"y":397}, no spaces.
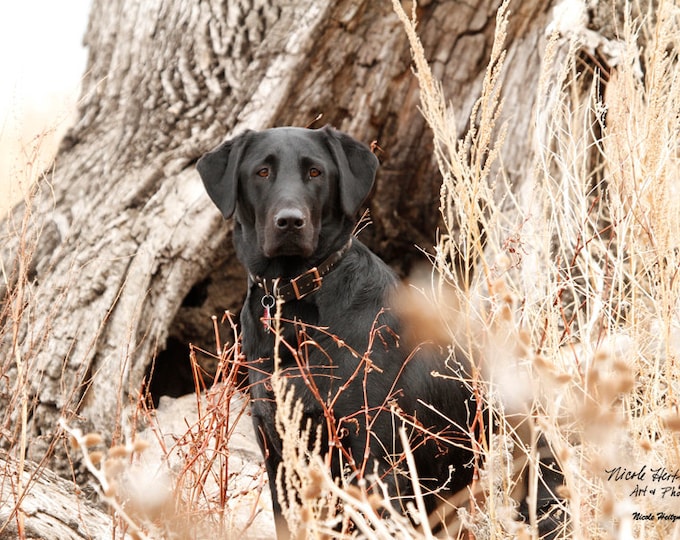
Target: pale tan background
{"x":41,"y":62}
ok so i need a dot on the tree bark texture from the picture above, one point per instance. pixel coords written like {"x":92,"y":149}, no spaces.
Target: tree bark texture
{"x":132,"y":258}
{"x":51,"y":509}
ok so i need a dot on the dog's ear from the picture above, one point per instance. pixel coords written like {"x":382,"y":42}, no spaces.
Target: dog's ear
{"x":356,"y":166}
{"x":219,"y":172}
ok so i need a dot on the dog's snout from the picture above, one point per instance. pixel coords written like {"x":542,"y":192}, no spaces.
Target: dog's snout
{"x":289,"y":230}
{"x":289,"y":219}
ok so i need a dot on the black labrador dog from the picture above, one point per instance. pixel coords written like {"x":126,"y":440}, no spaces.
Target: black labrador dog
{"x":295,"y":195}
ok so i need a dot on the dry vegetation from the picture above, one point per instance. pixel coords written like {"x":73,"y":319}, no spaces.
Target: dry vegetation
{"x":27,"y":147}
{"x":565,"y":295}
{"x":577,"y":274}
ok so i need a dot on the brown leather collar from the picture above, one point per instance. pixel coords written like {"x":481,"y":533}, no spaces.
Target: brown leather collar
{"x":304,"y":284}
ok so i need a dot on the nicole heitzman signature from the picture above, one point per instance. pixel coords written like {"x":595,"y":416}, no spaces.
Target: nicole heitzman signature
{"x":661,"y":474}
{"x":658,"y":516}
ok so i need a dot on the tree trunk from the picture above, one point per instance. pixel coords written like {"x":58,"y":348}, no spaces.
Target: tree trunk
{"x":52,"y":508}
{"x":131,"y":258}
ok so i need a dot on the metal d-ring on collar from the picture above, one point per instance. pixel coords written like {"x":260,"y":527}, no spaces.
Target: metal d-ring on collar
{"x":302,"y":285}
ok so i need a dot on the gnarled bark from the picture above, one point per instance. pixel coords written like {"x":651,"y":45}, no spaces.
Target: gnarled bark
{"x":50,"y":509}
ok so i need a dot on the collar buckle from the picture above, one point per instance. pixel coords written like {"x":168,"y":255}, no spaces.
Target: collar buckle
{"x":306,"y":283}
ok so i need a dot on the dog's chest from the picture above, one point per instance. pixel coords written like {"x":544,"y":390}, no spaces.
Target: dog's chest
{"x":298,"y":327}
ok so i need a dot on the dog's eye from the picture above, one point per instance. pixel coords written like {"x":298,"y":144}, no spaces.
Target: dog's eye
{"x":263,"y":172}
{"x":314,"y":172}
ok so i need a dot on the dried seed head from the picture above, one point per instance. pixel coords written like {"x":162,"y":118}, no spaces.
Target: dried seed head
{"x":118,"y":451}
{"x":73,"y":442}
{"x":140,"y":445}
{"x":311,"y":492}
{"x":607,"y":391}
{"x":564,"y":454}
{"x":524,"y":337}
{"x":313,"y":489}
{"x":92,"y":439}
{"x":593,"y":377}
{"x":498,"y":288}
{"x":111,"y":489}
{"x":96,"y":457}
{"x":428,"y":316}
{"x":375,"y":501}
{"x":625,"y":383}
{"x":353,"y":491}
{"x":563,"y":378}
{"x":541,"y":362}
{"x":600,"y":356}
{"x":523,"y":534}
{"x":672,"y":421}
{"x":607,"y":505}
{"x":113,"y":467}
{"x":563,"y":492}
{"x":505,"y":313}
{"x":620,"y":366}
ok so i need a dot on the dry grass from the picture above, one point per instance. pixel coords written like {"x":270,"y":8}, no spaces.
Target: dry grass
{"x":184,"y":483}
{"x":29,"y":137}
{"x":580,"y":271}
{"x":16,"y":368}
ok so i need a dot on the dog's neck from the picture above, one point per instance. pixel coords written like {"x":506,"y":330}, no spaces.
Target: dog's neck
{"x":304,"y":283}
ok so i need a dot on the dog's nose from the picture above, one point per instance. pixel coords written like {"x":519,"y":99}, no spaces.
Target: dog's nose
{"x":289,"y":219}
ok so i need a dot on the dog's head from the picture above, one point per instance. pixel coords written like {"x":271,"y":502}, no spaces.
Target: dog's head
{"x":289,"y":186}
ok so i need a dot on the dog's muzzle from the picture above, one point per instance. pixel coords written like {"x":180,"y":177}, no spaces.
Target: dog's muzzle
{"x":289,"y":232}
